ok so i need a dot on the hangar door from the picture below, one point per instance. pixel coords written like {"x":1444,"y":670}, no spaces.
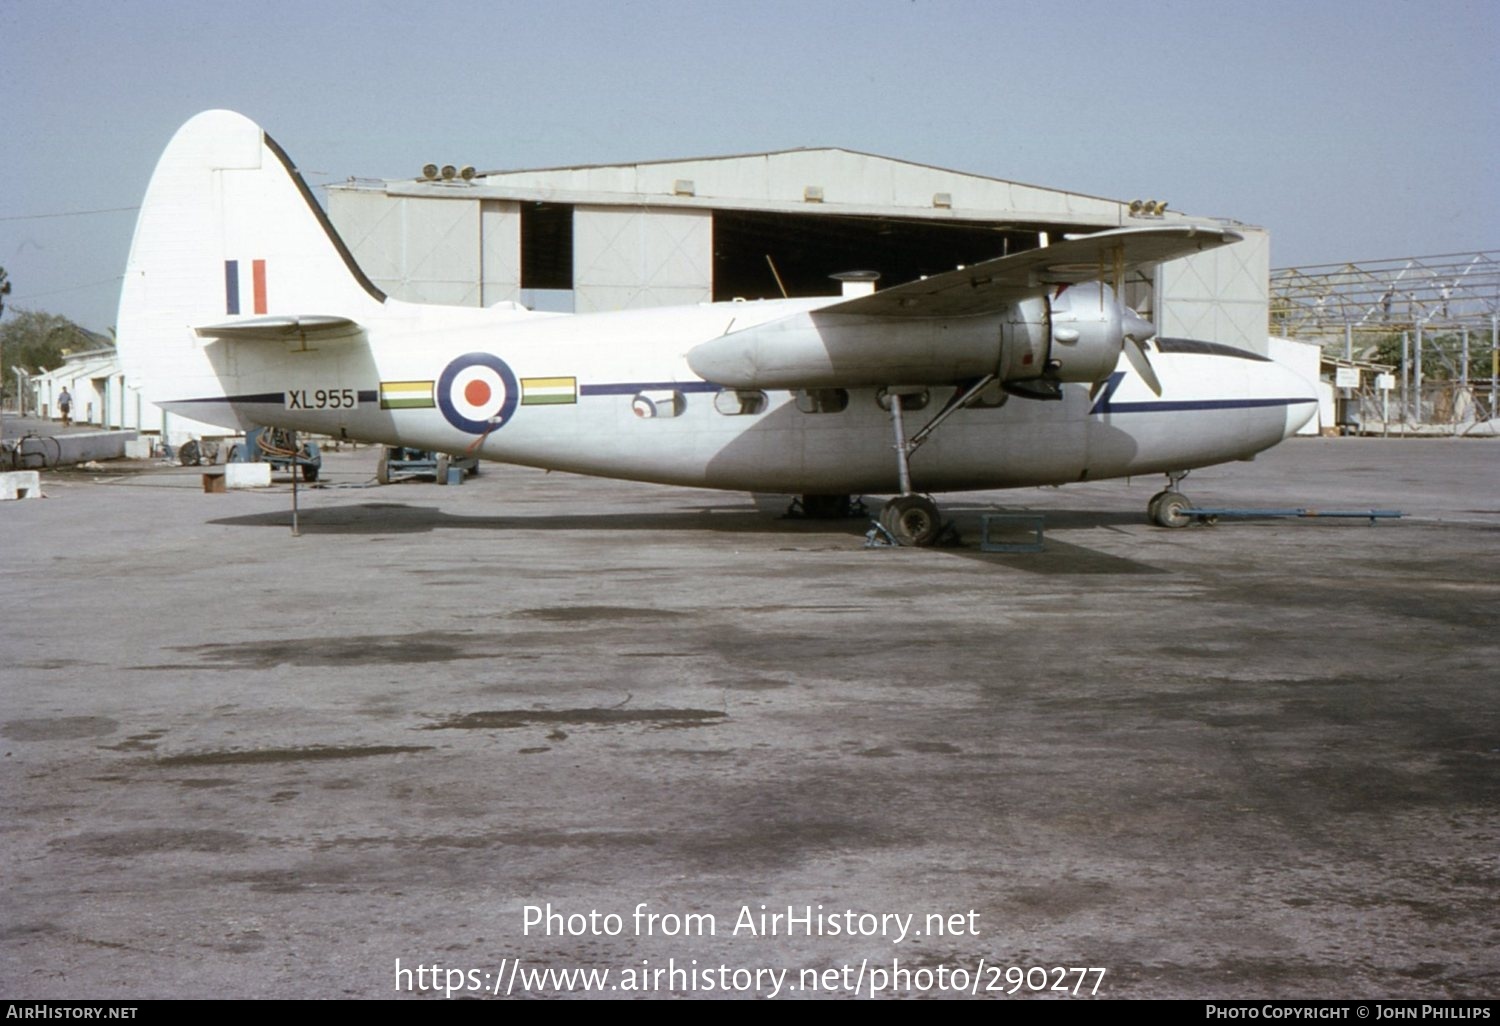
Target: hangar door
{"x":1219,"y":296}
{"x":631,"y":257}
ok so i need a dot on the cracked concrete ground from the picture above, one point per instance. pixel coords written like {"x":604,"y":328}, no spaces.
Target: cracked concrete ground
{"x":1254,"y":759}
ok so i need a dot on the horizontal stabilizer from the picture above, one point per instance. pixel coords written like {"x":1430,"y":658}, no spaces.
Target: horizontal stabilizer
{"x":984,"y":287}
{"x":314,"y":328}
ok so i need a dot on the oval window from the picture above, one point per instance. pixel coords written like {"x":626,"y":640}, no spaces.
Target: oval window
{"x":739,"y":402}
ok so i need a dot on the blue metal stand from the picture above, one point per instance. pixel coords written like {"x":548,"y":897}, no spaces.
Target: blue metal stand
{"x":1209,"y":515}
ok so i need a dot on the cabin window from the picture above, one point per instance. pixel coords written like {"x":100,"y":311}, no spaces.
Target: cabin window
{"x":739,"y":402}
{"x":657,"y":403}
{"x":821,"y":400}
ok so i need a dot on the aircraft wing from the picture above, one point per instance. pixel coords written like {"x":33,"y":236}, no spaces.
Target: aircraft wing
{"x":980,"y":288}
{"x":305,"y":328}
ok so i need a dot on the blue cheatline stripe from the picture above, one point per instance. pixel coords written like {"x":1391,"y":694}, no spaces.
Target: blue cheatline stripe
{"x":632,"y":387}
{"x":1181,"y":405}
{"x":371,"y":395}
{"x":365,"y":396}
{"x":260,"y":397}
{"x":1103,"y":405}
{"x":232,"y":286}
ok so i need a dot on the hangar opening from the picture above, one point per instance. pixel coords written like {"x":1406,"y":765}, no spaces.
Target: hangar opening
{"x":805,"y":249}
{"x":546,"y":245}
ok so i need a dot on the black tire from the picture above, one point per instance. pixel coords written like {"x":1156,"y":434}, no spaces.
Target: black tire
{"x":1169,"y":511}
{"x":383,"y":468}
{"x":912,"y":520}
{"x":1155,"y":503}
{"x":309,"y":473}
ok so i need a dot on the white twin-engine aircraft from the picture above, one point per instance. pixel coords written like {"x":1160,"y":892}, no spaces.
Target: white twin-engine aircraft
{"x":242,"y":307}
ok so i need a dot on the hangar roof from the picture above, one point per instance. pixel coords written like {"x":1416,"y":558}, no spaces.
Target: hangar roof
{"x":832,"y":180}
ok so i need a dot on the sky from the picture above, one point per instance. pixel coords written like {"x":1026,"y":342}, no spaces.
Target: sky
{"x":1352,"y":130}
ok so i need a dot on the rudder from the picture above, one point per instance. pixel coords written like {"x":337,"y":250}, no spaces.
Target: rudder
{"x":228,"y":230}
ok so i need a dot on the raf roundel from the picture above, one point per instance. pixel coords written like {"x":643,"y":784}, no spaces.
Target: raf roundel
{"x":477,"y":393}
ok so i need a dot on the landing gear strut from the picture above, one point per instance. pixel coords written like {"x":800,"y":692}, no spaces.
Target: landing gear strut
{"x":1166,"y":507}
{"x":909,"y":518}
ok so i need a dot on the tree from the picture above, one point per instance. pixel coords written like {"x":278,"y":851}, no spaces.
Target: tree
{"x":35,"y":342}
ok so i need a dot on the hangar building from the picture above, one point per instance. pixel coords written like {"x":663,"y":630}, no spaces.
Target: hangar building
{"x":616,"y":236}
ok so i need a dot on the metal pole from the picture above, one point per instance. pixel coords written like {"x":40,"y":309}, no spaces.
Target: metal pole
{"x":1494,"y":359}
{"x":1348,"y":393}
{"x":296,"y":528}
{"x":1416,"y":373}
{"x":1463,"y":361}
{"x":1405,"y":375}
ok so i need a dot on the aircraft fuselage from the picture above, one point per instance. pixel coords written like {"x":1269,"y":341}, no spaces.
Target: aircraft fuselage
{"x":612,"y":395}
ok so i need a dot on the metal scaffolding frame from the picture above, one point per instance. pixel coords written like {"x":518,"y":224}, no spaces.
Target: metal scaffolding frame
{"x":1444,"y":308}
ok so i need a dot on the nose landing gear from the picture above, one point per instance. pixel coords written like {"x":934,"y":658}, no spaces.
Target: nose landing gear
{"x":1166,"y":507}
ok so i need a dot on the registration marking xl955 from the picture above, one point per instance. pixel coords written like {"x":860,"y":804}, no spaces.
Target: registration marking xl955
{"x":321,"y":399}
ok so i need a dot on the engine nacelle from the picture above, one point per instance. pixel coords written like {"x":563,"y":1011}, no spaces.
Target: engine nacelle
{"x":1073,"y":335}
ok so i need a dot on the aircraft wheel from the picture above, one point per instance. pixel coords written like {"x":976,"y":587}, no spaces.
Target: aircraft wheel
{"x":442,"y":468}
{"x":309,"y":473}
{"x":1155,"y":503}
{"x":383,"y":468}
{"x":912,"y":519}
{"x":1169,"y":511}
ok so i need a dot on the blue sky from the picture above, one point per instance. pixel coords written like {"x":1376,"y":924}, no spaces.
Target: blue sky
{"x":1351,"y":129}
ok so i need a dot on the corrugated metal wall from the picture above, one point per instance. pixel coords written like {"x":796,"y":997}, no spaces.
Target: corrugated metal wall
{"x":456,"y":252}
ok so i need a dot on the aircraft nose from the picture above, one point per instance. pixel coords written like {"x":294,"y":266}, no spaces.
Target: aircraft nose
{"x":1302,"y":404}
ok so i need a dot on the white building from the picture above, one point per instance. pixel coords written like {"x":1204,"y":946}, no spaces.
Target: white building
{"x":102,"y":397}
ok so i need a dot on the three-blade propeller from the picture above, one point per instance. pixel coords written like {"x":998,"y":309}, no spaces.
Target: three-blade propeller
{"x":1137,"y":331}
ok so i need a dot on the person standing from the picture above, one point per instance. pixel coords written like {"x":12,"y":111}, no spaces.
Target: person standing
{"x":65,"y":404}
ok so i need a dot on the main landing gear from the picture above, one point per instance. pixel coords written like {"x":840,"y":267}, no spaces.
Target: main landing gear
{"x":909,"y":518}
{"x":912,"y":520}
{"x":1166,"y":507}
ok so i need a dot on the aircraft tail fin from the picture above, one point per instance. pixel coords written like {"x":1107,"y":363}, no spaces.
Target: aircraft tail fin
{"x":228,"y":231}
